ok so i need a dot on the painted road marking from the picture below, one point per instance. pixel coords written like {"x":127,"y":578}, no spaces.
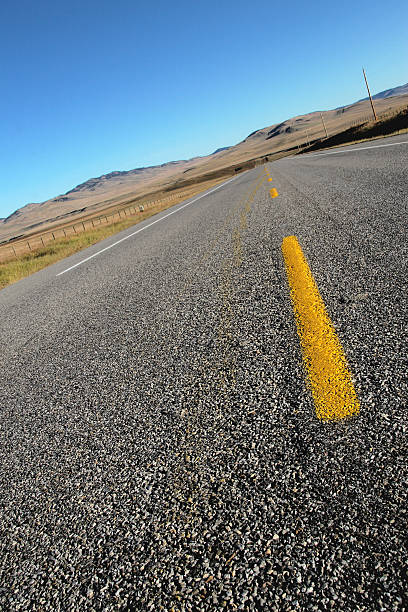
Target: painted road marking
{"x":269,"y":180}
{"x":274,"y":193}
{"x":328,"y":371}
{"x":391,"y":144}
{"x":145,"y":227}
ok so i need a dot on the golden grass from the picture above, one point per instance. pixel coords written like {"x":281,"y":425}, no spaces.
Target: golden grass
{"x":391,"y":124}
{"x":370,"y":138}
{"x":24,"y":265}
{"x":15,"y":269}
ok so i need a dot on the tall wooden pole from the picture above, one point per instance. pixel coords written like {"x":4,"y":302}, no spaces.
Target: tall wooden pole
{"x":369,"y":95}
{"x":324,"y":125}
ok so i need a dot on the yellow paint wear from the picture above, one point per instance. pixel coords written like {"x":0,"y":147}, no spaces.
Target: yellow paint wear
{"x":325,"y":362}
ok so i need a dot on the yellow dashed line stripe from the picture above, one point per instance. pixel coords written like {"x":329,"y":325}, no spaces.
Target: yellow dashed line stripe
{"x":269,"y":180}
{"x":274,"y":193}
{"x":329,"y":375}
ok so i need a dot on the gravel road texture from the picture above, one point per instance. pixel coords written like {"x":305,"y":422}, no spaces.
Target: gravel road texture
{"x":159,"y":447}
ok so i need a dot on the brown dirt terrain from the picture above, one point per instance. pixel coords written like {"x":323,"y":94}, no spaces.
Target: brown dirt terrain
{"x":138,"y":209}
{"x":98,"y":195}
{"x":394,"y":124}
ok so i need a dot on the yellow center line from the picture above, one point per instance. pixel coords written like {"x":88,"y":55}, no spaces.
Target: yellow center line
{"x":326,"y":364}
{"x":269,"y":180}
{"x":273,"y":192}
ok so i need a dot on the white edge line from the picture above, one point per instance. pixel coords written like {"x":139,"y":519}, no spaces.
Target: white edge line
{"x":146,"y":226}
{"x":390,"y":144}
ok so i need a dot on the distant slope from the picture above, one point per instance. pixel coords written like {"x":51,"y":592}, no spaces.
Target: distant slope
{"x":221,"y":149}
{"x":402,"y":90}
{"x":118,"y":186}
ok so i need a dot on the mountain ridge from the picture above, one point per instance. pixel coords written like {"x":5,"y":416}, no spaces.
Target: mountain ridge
{"x":401,"y":90}
{"x":95,"y":193}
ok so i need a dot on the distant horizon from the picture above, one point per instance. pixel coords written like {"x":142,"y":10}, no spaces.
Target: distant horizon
{"x":195,"y":156}
{"x":93,"y":86}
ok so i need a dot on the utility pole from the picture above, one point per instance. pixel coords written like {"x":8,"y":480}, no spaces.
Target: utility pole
{"x":369,"y":95}
{"x":324,"y":125}
{"x":308,"y":137}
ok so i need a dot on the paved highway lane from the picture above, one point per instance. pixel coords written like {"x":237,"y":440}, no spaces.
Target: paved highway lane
{"x":159,"y":446}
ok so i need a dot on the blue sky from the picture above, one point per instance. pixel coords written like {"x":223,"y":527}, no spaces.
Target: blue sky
{"x":95,"y":86}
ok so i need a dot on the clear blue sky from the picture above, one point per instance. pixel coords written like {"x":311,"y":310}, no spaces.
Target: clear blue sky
{"x":94,"y":86}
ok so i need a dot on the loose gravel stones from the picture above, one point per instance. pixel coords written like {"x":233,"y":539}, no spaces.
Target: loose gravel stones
{"x":159,"y":448}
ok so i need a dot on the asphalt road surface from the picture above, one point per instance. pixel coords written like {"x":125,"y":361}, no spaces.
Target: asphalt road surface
{"x":160,"y":449}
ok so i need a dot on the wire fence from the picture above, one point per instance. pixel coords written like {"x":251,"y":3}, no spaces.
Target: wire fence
{"x":19,"y":246}
{"x":319,"y":134}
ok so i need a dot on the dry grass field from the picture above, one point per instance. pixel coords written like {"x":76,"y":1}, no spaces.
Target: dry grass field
{"x":14,"y":268}
{"x":38,"y":235}
{"x":116,"y":189}
{"x":394,"y":123}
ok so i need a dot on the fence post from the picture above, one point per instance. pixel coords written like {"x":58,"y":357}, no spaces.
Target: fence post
{"x":73,"y":227}
{"x":28,"y":245}
{"x":83,"y":225}
{"x":41,"y":238}
{"x":53,"y":235}
{"x":65,"y":235}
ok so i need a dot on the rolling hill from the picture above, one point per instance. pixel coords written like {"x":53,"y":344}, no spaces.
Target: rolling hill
{"x":110,"y":189}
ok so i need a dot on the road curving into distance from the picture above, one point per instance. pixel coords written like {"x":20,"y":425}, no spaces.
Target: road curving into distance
{"x":161,"y":445}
